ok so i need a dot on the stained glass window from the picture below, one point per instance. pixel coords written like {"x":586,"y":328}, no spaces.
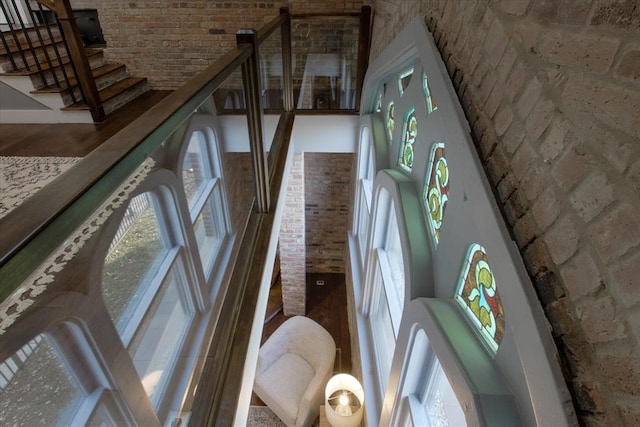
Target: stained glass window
{"x":409,"y":133}
{"x":431,"y":103}
{"x":436,"y":189}
{"x":404,"y":79}
{"x":391,"y":120}
{"x":478,"y":295}
{"x":379,"y":102}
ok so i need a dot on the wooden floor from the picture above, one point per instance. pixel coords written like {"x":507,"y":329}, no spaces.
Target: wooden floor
{"x":71,"y":140}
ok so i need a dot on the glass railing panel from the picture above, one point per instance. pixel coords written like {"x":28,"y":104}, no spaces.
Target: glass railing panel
{"x":128,"y":298}
{"x":230,"y":97}
{"x":271,"y":72}
{"x":325,"y":53}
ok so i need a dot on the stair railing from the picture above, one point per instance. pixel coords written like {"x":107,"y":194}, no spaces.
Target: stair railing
{"x":30,"y":23}
{"x":47,"y":255}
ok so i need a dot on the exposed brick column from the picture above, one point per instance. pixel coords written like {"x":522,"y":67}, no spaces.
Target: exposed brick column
{"x":292,"y":243}
{"x":328,"y":191}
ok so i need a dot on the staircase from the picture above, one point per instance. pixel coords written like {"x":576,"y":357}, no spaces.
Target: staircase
{"x":38,"y":83}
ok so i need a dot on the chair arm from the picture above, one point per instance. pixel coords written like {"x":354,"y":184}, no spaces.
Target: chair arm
{"x":313,"y":397}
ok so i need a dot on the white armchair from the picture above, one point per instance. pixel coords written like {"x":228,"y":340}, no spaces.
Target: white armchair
{"x":294,"y":366}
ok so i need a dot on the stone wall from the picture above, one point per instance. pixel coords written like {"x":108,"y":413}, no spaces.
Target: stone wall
{"x":170,"y":42}
{"x":552,"y":91}
{"x":292,"y":243}
{"x":327,"y":183}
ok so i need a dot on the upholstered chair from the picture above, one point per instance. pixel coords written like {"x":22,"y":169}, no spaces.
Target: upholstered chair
{"x":294,"y":366}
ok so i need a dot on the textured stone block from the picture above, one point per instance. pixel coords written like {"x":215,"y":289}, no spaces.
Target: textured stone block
{"x":622,"y":372}
{"x":629,"y":65}
{"x":525,"y":230}
{"x":547,"y":208}
{"x":562,"y":240}
{"x":514,"y":7}
{"x":581,"y":275}
{"x":535,"y":181}
{"x":553,"y":142}
{"x":513,"y":137}
{"x":573,"y":12}
{"x":570,"y":168}
{"x":529,"y":96}
{"x":523,"y":159}
{"x":616,"y":232}
{"x":592,"y":195}
{"x":599,"y":320}
{"x":502,"y":120}
{"x":573,"y":49}
{"x":607,"y":102}
{"x":516,"y":79}
{"x":539,"y":118}
{"x":627,"y":279}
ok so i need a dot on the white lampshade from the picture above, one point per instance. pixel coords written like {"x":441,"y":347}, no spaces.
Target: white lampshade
{"x":346,"y":411}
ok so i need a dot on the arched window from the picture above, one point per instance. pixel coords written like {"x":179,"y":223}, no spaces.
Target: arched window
{"x":146,"y":292}
{"x":201,"y":178}
{"x":364,"y":190}
{"x":387,"y":284}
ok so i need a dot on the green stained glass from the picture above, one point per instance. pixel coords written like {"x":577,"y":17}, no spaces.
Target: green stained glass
{"x":404,"y":79}
{"x":436,"y":190}
{"x":478,"y":295}
{"x":379,"y":102}
{"x":391,"y":120}
{"x":409,"y":134}
{"x":431,"y":103}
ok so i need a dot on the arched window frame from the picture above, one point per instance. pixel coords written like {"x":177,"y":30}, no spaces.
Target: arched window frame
{"x":212,"y":194}
{"x":475,"y":211}
{"x":395,"y":206}
{"x":480,"y":389}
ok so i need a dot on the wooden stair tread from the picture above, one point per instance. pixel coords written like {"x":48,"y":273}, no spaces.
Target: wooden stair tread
{"x":54,"y":64}
{"x":36,"y":45}
{"x":110,"y":92}
{"x":97,"y":73}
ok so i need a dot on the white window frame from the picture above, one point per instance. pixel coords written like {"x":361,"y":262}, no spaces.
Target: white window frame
{"x":212,"y":194}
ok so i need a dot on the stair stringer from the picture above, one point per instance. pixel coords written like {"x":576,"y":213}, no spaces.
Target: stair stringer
{"x":52,"y":106}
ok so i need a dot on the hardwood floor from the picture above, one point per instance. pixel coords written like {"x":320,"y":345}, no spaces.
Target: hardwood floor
{"x":71,"y":140}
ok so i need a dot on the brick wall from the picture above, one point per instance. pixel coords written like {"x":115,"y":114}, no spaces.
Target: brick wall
{"x":170,"y":42}
{"x":292,"y":243}
{"x":327,"y":184}
{"x":552,"y":91}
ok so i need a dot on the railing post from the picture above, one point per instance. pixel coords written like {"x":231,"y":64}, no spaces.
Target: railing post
{"x":69,"y":27}
{"x":251,"y":82}
{"x":364,"y":44}
{"x":287,"y":72}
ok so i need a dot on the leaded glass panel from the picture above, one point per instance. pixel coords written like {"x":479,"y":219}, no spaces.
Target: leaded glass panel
{"x":409,"y":134}
{"x":436,"y":190}
{"x":478,"y":295}
{"x":404,"y":79}
{"x":391,"y":120}
{"x":431,"y":103}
